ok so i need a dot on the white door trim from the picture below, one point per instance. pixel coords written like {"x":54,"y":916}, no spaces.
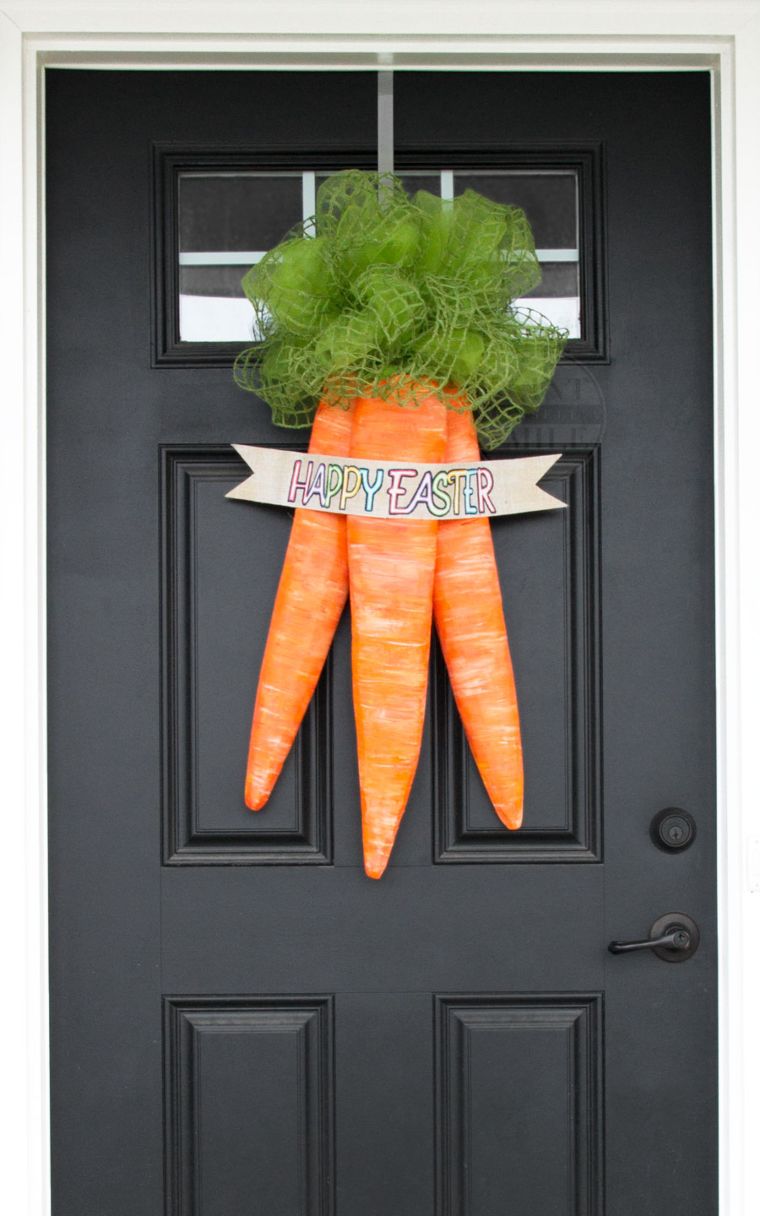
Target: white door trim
{"x":217,"y":34}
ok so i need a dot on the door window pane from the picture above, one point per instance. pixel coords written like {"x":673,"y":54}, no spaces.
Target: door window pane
{"x":227,"y":221}
{"x":549,"y":198}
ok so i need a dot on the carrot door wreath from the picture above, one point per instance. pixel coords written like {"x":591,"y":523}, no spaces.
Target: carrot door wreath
{"x":388,"y":326}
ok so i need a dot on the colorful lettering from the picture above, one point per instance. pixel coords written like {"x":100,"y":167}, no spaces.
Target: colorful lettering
{"x":467,"y":487}
{"x":350,"y":489}
{"x":455,"y":479}
{"x":440,"y":497}
{"x":371,"y":490}
{"x":423,"y":496}
{"x":317,"y":487}
{"x":484,"y":487}
{"x":335,"y":475}
{"x":297,"y":482}
{"x":396,"y":488}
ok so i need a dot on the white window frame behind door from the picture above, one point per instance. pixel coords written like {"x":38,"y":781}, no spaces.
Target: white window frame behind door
{"x":545,"y":35}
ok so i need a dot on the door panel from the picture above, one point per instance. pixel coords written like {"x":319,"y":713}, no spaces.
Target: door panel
{"x":553,"y":610}
{"x":248,"y":1087}
{"x":542,"y":1057}
{"x":241,"y":1020}
{"x":208,"y":547}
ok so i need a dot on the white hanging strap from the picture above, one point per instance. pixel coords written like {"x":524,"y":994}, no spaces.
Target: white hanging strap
{"x":385,"y":122}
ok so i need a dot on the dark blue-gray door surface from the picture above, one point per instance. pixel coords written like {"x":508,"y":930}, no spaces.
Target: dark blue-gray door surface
{"x":242,"y":1023}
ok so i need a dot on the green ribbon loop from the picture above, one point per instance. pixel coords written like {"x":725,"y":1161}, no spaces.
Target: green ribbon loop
{"x":380,"y":294}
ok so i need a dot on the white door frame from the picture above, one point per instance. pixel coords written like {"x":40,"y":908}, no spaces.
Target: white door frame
{"x":499,"y":34}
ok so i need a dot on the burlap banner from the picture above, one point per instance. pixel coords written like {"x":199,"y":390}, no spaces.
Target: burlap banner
{"x":395,"y":489}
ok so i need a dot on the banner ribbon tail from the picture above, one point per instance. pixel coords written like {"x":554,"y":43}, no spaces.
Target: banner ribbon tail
{"x":524,"y":494}
{"x":246,"y":490}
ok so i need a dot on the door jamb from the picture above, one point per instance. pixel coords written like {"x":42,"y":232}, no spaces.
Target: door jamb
{"x":723,"y":37}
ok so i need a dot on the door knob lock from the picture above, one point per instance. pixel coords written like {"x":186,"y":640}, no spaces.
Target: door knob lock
{"x":673,"y":938}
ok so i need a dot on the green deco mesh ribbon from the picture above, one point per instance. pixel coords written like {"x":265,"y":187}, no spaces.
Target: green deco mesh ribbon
{"x":384,"y":295}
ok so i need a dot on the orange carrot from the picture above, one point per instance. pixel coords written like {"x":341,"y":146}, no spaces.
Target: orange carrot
{"x":310,"y":599}
{"x":469,"y":618}
{"x":391,"y":569}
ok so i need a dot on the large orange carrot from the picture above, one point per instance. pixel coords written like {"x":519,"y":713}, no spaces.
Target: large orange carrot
{"x":310,"y":599}
{"x":469,"y":618}
{"x":391,"y":569}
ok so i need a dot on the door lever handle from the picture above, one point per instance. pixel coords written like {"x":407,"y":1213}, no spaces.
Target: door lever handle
{"x":677,"y":939}
{"x":673,"y":938}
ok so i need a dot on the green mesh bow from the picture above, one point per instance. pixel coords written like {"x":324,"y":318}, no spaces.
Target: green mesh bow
{"x":384,"y":295}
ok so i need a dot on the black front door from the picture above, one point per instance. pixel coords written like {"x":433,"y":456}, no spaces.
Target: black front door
{"x":242,"y":1022}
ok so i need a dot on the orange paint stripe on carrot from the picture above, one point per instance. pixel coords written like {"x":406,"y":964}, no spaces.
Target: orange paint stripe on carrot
{"x":310,"y":599}
{"x":469,"y":619}
{"x":391,"y":570}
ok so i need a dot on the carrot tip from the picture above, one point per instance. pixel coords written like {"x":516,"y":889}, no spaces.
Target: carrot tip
{"x":375,"y":869}
{"x":255,"y":801}
{"x":509,"y":815}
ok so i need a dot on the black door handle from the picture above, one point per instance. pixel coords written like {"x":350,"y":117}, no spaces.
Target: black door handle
{"x":673,"y":938}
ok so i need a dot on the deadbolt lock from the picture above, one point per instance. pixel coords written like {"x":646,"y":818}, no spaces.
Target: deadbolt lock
{"x":673,"y":829}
